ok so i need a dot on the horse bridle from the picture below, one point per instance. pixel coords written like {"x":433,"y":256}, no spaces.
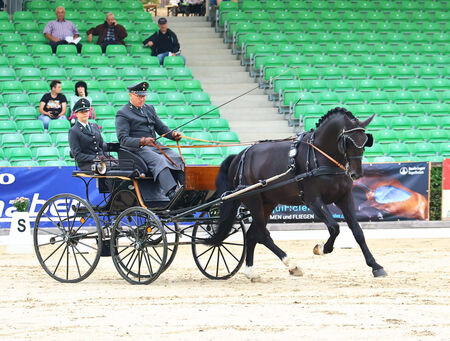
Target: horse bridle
{"x":344,"y":135}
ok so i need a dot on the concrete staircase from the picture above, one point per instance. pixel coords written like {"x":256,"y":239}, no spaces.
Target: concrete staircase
{"x":252,"y":116}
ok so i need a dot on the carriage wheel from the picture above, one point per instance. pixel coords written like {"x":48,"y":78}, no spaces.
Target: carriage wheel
{"x":67,"y":238}
{"x":139,"y":245}
{"x":223,"y":261}
{"x":173,"y":237}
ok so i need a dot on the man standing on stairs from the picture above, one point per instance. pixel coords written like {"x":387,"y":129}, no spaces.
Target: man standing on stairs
{"x":163,"y":42}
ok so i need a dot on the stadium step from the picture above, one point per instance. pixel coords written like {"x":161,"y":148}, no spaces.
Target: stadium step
{"x":252,"y":116}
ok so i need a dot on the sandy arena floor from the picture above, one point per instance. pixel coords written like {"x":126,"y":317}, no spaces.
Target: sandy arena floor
{"x":336,"y":299}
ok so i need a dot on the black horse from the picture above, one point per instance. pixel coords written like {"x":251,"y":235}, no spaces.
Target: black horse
{"x":327,"y":159}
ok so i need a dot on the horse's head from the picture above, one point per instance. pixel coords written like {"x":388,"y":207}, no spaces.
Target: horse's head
{"x":344,"y":138}
{"x":351,"y":142}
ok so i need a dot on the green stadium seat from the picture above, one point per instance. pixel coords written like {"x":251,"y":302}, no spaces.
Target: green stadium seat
{"x":401,"y":97}
{"x":67,"y":86}
{"x":415,"y":84}
{"x":18,"y":62}
{"x":6,"y":27}
{"x":173,"y":98}
{"x":386,"y":110}
{"x":113,"y":85}
{"x":404,"y":72}
{"x":44,"y":62}
{"x":427,"y":97}
{"x":328,"y":98}
{"x":192,"y":127}
{"x":429,"y":72}
{"x":164,"y":85}
{"x":400,"y":123}
{"x":11,"y":87}
{"x":439,"y":84}
{"x":80,"y":73}
{"x":422,"y":149}
{"x":12,"y":140}
{"x":398,"y":150}
{"x":7,"y":74}
{"x":15,"y":50}
{"x":209,"y":153}
{"x":180,"y":73}
{"x":153,"y":98}
{"x":23,"y":113}
{"x":10,"y":38}
{"x":424,"y":122}
{"x":438,"y":136}
{"x":228,"y":137}
{"x":385,"y":136}
{"x":198,"y":98}
{"x":120,"y":62}
{"x":392,"y":84}
{"x":39,"y":140}
{"x":444,"y":149}
{"x":58,"y":126}
{"x":55,"y":163}
{"x":4,"y":113}
{"x":119,"y":98}
{"x":37,"y":86}
{"x":18,"y":154}
{"x":353,"y":97}
{"x":379,"y":72}
{"x":181,"y":112}
{"x":130,"y":73}
{"x":156,"y":73}
{"x":105,"y":73}
{"x":412,"y":109}
{"x":187,"y":86}
{"x":138,"y":50}
{"x":91,"y":50}
{"x":66,"y":50}
{"x":47,"y":154}
{"x":206,"y":111}
{"x":114,"y":50}
{"x":378,"y":122}
{"x":54,"y":73}
{"x":29,"y":73}
{"x":217,"y":124}
{"x":30,"y":127}
{"x":173,"y":61}
{"x":104,"y":112}
{"x":368,"y":60}
{"x":410,"y":135}
{"x":73,"y":61}
{"x":315,"y":85}
{"x":356,"y":72}
{"x":378,"y":97}
{"x":108,"y":126}
{"x":25,"y":27}
{"x":98,"y":61}
{"x":440,"y":61}
{"x":16,"y":100}
{"x":162,"y":111}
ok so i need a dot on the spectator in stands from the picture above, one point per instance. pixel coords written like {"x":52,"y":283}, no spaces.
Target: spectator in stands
{"x":109,"y":33}
{"x":195,"y":7}
{"x":85,"y":140}
{"x":61,"y":31}
{"x":53,"y":104}
{"x":136,"y":126}
{"x":80,"y":92}
{"x":163,"y":42}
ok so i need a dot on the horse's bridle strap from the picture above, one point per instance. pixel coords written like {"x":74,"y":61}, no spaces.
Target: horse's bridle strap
{"x":327,"y":156}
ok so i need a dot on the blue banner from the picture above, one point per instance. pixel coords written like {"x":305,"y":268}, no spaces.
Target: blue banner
{"x":38,"y":184}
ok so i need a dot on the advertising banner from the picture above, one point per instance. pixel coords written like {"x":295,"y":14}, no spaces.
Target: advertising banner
{"x":38,"y":184}
{"x":388,"y":191}
{"x":445,"y":212}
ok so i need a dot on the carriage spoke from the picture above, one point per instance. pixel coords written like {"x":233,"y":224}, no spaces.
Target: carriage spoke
{"x":132,"y":264}
{"x":232,"y":255}
{"x":76,"y":260}
{"x":53,"y":252}
{"x":67,"y":262}
{"x":205,"y":251}
{"x":52,"y":243}
{"x":149,"y":262}
{"x":81,"y":254}
{"x":139,"y":264}
{"x":57,"y":265}
{"x":224,"y":260}
{"x":210,"y":257}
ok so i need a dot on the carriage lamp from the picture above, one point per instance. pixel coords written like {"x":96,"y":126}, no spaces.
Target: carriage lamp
{"x":98,"y":167}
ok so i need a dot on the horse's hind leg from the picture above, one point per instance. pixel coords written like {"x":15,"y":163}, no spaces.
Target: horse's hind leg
{"x":322,"y":212}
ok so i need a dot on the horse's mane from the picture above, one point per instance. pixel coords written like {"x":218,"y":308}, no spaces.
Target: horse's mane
{"x":333,"y":112}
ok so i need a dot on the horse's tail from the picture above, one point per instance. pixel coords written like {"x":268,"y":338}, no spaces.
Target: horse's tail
{"x":228,"y":209}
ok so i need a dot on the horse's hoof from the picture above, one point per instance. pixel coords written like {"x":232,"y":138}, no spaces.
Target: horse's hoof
{"x":318,"y":249}
{"x":296,"y":271}
{"x":379,"y":273}
{"x":256,"y":279}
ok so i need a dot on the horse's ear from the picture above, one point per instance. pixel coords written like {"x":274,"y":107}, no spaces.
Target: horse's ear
{"x":366,"y":122}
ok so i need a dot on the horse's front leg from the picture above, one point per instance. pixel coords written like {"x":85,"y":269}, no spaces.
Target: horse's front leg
{"x":321,"y":211}
{"x":347,"y":207}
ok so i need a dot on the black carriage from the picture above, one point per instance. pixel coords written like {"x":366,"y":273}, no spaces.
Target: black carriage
{"x":134,"y":224}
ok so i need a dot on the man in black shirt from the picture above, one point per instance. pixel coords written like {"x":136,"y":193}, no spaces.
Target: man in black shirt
{"x":163,"y":42}
{"x":53,"y":104}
